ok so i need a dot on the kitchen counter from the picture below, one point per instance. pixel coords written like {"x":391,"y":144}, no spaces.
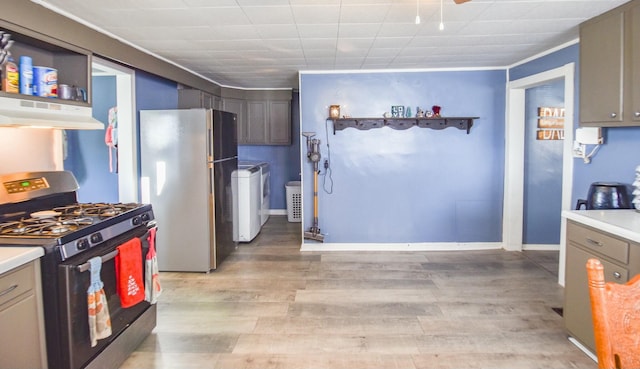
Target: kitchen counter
{"x":13,"y":257}
{"x":623,"y":223}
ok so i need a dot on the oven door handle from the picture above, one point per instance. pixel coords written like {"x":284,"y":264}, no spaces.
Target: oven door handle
{"x":84,"y":267}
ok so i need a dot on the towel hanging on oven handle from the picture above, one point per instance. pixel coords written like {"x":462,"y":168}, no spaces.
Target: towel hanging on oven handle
{"x":86,"y":266}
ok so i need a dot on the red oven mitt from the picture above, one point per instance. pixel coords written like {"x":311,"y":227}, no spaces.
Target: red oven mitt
{"x":130,"y":285}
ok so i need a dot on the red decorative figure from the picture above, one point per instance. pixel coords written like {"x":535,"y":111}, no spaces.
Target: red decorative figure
{"x":436,"y":110}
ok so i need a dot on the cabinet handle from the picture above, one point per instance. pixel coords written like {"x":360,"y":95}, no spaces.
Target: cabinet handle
{"x":594,"y":242}
{"x":8,"y":290}
{"x":613,"y":115}
{"x":617,"y":275}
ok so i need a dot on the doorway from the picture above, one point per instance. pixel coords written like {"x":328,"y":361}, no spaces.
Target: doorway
{"x":127,"y":137}
{"x":513,"y":211}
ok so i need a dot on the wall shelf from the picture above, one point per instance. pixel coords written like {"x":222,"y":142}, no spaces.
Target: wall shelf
{"x":464,"y":123}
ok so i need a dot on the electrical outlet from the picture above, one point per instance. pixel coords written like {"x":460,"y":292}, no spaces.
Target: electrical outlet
{"x":579,"y":150}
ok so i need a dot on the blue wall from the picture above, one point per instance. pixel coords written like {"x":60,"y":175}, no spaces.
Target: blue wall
{"x":542,"y":170}
{"x":87,"y":153}
{"x":617,"y":158}
{"x":415,"y":185}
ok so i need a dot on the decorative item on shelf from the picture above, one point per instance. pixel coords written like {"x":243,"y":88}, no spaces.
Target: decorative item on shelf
{"x":428,"y":114}
{"x":436,"y":111}
{"x":636,"y":191}
{"x":419,"y":112}
{"x":334,"y":111}
{"x":397,"y":111}
{"x":386,"y":114}
{"x":407,"y":113}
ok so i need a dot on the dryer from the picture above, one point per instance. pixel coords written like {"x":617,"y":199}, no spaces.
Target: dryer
{"x":265,"y":186}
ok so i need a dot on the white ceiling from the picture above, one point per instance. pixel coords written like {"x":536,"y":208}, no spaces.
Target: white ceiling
{"x":264,"y":43}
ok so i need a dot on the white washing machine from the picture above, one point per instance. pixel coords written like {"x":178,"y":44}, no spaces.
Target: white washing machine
{"x":246,"y":203}
{"x":265,"y":190}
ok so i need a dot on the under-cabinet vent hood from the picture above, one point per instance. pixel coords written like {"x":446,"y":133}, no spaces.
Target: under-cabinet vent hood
{"x":16,"y":112}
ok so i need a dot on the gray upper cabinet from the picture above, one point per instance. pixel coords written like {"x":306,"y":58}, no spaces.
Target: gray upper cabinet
{"x":280,"y":122}
{"x":239,"y":107}
{"x":193,"y":98}
{"x":609,"y":76}
{"x":264,"y":116}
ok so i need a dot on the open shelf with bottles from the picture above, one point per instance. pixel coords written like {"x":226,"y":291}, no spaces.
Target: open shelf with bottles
{"x":73,"y":64}
{"x":463,"y":123}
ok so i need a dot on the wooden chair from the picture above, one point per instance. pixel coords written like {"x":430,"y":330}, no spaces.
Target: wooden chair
{"x":615,"y":309}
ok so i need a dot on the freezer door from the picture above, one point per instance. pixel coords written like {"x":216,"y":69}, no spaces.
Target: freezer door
{"x":175,"y":179}
{"x":225,"y":135}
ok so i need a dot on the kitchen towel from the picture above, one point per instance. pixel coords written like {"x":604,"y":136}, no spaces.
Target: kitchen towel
{"x":152,"y":288}
{"x":99,"y":319}
{"x":129,"y":284}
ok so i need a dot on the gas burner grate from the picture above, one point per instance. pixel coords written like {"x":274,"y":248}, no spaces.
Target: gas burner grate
{"x":102,"y":210}
{"x":49,"y":227}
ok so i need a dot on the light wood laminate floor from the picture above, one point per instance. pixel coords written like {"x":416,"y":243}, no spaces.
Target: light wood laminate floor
{"x":271,"y":306}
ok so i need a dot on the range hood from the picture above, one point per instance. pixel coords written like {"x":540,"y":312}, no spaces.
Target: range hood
{"x":16,"y":112}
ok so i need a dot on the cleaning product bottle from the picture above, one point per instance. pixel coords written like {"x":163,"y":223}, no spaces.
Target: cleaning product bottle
{"x":26,"y":75}
{"x":10,"y":77}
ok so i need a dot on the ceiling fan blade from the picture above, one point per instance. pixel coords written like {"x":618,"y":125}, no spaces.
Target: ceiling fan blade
{"x":460,"y":1}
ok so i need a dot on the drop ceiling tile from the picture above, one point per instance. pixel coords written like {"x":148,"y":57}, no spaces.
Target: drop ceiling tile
{"x":351,"y":30}
{"x":316,"y":14}
{"x":260,"y":15}
{"x":364,"y":13}
{"x":318,"y":30}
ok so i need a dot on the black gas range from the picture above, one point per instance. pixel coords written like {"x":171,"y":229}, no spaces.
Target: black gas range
{"x":41,"y":209}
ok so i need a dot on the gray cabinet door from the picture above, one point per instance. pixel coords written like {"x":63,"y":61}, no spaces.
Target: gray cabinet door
{"x":634,"y":42}
{"x":601,"y":70}
{"x":257,"y":122}
{"x":280,"y":123}
{"x":239,"y":107}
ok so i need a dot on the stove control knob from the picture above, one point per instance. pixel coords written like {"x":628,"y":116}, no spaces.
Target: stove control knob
{"x":82,"y":244}
{"x":136,"y":221}
{"x":96,"y":238}
{"x":145,"y":217}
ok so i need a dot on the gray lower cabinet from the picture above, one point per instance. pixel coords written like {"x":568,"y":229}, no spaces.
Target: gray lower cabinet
{"x":621,"y":260}
{"x":610,"y":68}
{"x":22,"y":337}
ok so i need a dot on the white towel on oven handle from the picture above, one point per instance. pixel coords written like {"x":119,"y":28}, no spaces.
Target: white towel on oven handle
{"x":152,"y":287}
{"x":98,"y":308}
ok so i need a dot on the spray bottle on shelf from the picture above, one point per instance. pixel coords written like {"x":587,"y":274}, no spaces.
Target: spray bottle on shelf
{"x":10,"y":77}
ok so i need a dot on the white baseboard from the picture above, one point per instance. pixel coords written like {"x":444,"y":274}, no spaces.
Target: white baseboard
{"x":541,"y":247}
{"x":583,"y":349}
{"x":421,"y":246}
{"x":277,"y":211}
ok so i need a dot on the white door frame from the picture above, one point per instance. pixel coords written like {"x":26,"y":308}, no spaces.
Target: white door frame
{"x":127,"y":134}
{"x":513,"y":210}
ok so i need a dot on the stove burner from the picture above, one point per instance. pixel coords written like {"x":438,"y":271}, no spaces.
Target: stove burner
{"x":43,"y":227}
{"x":102,"y":210}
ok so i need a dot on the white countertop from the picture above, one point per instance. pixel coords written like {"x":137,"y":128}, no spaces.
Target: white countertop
{"x":13,"y":257}
{"x":622,"y":222}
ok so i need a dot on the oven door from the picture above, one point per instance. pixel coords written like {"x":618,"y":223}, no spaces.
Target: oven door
{"x":74,"y":283}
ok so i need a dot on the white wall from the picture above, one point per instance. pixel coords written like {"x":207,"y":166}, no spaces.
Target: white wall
{"x":30,"y":149}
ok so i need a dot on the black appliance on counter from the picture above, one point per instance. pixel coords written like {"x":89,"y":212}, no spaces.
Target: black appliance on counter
{"x":41,"y":209}
{"x":607,"y":195}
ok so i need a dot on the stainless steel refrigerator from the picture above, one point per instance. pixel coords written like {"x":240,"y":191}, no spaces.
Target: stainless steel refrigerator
{"x":187,"y":157}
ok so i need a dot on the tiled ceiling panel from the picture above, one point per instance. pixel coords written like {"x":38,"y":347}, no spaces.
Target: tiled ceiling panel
{"x":265,"y":43}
